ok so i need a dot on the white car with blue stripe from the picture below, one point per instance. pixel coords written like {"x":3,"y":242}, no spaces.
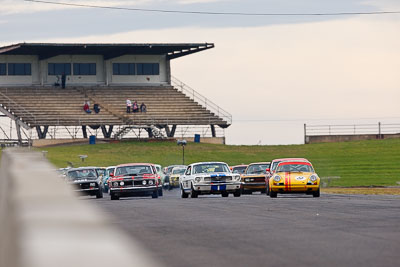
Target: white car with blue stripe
{"x":204,"y":178}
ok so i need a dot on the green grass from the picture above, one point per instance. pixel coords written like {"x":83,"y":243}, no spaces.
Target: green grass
{"x":361,"y":163}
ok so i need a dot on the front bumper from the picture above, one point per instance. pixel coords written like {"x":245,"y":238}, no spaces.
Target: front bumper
{"x":174,"y":183}
{"x":294,"y":188}
{"x":85,"y":188}
{"x":133,"y":190}
{"x":254,"y":186}
{"x":217,"y":187}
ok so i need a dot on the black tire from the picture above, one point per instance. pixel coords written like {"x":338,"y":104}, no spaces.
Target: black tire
{"x":114,"y":197}
{"x":194,"y":193}
{"x":99,"y":193}
{"x":155,"y":194}
{"x":183,"y":193}
{"x":160,"y":192}
{"x":224,"y":194}
{"x":237,"y":193}
{"x":273,"y":194}
{"x":317,"y":193}
{"x":263,"y":191}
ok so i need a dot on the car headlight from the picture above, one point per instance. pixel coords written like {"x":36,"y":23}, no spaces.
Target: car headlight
{"x":144,"y":182}
{"x":313,"y":178}
{"x":115,"y":184}
{"x":121,"y":183}
{"x":151,"y":182}
{"x":197,"y":179}
{"x":277,"y":178}
{"x":237,"y":177}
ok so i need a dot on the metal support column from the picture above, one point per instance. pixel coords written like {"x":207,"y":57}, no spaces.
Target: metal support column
{"x":18,"y":128}
{"x":107,"y":133}
{"x":84,"y":132}
{"x":213,"y":130}
{"x":150,"y":132}
{"x":42,"y":134}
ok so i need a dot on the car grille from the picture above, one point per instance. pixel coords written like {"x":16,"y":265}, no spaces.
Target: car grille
{"x":85,"y":186}
{"x":130,"y":183}
{"x":255,"y":180}
{"x":218,"y":179}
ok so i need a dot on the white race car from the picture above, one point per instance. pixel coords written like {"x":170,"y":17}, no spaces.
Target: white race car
{"x":204,"y":178}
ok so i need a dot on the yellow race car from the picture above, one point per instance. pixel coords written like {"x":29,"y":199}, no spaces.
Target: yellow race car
{"x":174,"y":176}
{"x":293,"y":177}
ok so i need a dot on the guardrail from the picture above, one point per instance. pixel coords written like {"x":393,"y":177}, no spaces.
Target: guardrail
{"x":24,"y":112}
{"x":351,"y":129}
{"x":44,"y":224}
{"x":202,"y":100}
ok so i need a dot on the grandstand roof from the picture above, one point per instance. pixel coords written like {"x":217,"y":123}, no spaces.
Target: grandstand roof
{"x":109,"y":51}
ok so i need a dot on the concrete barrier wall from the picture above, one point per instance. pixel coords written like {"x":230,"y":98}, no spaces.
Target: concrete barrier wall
{"x":41,"y":143}
{"x":44,"y":224}
{"x":343,"y":138}
{"x":208,"y":140}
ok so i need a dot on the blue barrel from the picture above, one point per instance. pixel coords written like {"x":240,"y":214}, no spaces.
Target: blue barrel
{"x":197,"y":138}
{"x":92,"y":140}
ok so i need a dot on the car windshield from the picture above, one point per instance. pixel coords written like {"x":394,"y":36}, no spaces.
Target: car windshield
{"x":296,"y":167}
{"x":257,"y":168}
{"x":240,"y":169}
{"x":178,"y":171}
{"x":274,"y":165}
{"x":82,"y":174}
{"x":101,"y":171}
{"x":109,"y":170}
{"x":169,"y":169}
{"x":133,"y":170}
{"x":210,"y":167}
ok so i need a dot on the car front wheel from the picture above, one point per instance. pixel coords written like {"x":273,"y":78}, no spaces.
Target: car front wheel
{"x":99,"y":193}
{"x":237,"y":193}
{"x":183,"y":193}
{"x":317,"y":193}
{"x":273,"y":194}
{"x":114,"y":197}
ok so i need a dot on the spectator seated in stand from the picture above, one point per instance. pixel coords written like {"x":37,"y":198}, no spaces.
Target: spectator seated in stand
{"x":135,"y":107}
{"x":86,"y":107}
{"x":143,"y":108}
{"x":96,"y":108}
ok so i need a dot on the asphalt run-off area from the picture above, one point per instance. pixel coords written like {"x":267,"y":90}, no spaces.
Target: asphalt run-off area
{"x":255,"y":230}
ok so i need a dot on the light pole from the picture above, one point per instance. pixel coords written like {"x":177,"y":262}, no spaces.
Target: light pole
{"x":183,"y":144}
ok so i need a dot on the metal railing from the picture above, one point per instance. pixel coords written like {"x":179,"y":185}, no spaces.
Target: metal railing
{"x":23,"y":112}
{"x":352,"y":129}
{"x":201,"y":100}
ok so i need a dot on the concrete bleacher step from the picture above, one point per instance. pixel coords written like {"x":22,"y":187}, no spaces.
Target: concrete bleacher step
{"x":55,"y":106}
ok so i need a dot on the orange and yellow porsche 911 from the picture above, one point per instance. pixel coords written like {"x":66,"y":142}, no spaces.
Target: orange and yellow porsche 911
{"x":291,"y":177}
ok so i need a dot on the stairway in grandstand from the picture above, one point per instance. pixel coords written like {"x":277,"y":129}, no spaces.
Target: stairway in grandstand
{"x":38,"y":106}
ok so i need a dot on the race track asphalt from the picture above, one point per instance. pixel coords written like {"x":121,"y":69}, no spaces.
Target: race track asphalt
{"x":255,"y":230}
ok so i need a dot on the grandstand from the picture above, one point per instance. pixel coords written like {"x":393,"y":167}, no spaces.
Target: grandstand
{"x":32,"y":93}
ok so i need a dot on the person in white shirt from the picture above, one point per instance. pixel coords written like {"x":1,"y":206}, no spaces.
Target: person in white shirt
{"x":128,"y":106}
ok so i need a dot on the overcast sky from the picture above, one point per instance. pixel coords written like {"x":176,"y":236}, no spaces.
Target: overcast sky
{"x":273,"y":74}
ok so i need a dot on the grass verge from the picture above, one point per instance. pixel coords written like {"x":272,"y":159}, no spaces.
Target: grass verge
{"x":360,"y":163}
{"x":363,"y":191}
